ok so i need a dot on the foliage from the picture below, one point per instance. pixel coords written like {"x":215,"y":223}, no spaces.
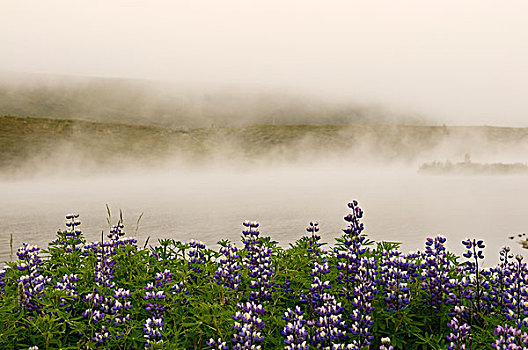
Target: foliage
{"x":114,"y":294}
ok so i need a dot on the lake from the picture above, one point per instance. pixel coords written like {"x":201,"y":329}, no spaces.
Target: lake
{"x":211,"y":204}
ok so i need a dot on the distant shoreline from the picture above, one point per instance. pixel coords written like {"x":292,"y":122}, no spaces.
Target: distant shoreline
{"x":468,"y":167}
{"x":29,"y":144}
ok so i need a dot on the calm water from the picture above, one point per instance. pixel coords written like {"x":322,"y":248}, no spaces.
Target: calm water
{"x":399,"y":205}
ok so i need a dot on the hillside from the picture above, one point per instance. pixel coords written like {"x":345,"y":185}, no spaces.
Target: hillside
{"x":165,"y":104}
{"x":30,"y":144}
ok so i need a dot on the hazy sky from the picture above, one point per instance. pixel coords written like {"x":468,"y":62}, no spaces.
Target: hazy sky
{"x":464,"y":62}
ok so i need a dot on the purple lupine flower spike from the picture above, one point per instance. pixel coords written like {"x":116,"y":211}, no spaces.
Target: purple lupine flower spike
{"x":32,"y":283}
{"x":295,"y":333}
{"x":67,"y":285}
{"x":460,"y":332}
{"x":153,"y":328}
{"x":227,"y":274}
{"x":357,"y":276}
{"x":259,"y":263}
{"x":155,"y":295}
{"x":386,"y":344}
{"x":196,"y":259}
{"x":436,"y":272}
{"x":217,"y":344}
{"x":70,"y":239}
{"x":248,"y":326}
{"x":509,"y":337}
{"x":394,"y":276}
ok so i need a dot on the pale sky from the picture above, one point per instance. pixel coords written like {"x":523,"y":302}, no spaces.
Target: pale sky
{"x":462,"y":62}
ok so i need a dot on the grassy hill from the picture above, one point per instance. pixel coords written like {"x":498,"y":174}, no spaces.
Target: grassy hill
{"x":164,"y":104}
{"x":27,"y":144}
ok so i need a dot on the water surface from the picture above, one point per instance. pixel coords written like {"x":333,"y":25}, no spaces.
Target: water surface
{"x":399,"y":205}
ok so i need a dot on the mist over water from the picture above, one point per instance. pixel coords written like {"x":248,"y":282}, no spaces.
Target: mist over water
{"x":464,"y":63}
{"x":211,"y":205}
{"x":203,"y":182}
{"x":203,"y":114}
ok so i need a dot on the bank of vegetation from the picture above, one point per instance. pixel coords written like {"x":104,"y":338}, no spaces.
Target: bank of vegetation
{"x":117,"y":293}
{"x":28,"y":144}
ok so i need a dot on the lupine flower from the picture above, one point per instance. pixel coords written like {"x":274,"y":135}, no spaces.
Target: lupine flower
{"x":217,"y":344}
{"x":320,"y":284}
{"x":353,"y":247}
{"x":516,"y":293}
{"x":117,"y":231}
{"x":295,"y":333}
{"x":320,"y":268}
{"x":67,"y":285}
{"x":101,"y":336}
{"x":104,"y":268}
{"x":315,"y":245}
{"x":227,"y":274}
{"x":286,"y":288}
{"x":386,"y":344}
{"x":435,"y":273}
{"x":357,"y":274}
{"x":458,"y":337}
{"x":117,"y":241}
{"x":260,"y":266}
{"x":325,"y":324}
{"x":329,"y":326}
{"x":155,"y":298}
{"x":458,"y":293}
{"x":106,"y":302}
{"x":2,"y":279}
{"x":153,"y":328}
{"x":121,"y":306}
{"x":105,"y":252}
{"x":248,"y":326}
{"x":361,"y":303}
{"x":33,"y":282}
{"x":498,"y":280}
{"x":196,"y":259}
{"x":156,"y":294}
{"x":162,"y":278}
{"x":69,"y":240}
{"x":102,"y":306}
{"x":479,"y":285}
{"x":22,"y":298}
{"x":394,"y":276}
{"x":510,"y":338}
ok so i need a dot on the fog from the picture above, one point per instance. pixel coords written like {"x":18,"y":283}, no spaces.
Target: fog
{"x":460,"y":63}
{"x":283,"y":178}
{"x":36,"y":148}
{"x":171,"y":104}
{"x":399,"y":205}
{"x":202,"y":114}
{"x":204,"y":182}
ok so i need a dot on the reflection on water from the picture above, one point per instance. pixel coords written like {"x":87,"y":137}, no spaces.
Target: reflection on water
{"x":399,"y":205}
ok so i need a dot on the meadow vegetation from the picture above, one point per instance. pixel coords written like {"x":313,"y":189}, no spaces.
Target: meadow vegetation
{"x":27,"y":144}
{"x":118,"y":293}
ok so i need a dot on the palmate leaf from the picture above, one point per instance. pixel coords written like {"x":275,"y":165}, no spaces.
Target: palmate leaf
{"x":429,"y":341}
{"x":385,"y":246}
